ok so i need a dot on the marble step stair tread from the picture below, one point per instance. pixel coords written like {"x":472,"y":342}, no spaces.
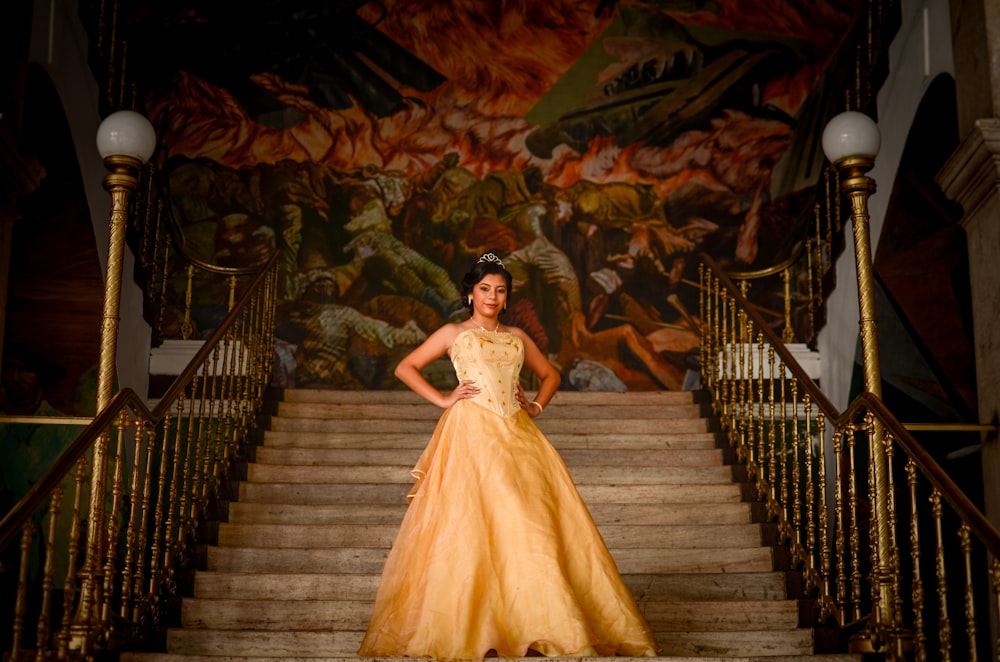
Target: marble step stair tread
{"x":131,"y":656}
{"x":367,"y":560}
{"x":422,"y":412}
{"x":312,"y":493}
{"x":753,"y":586}
{"x":614,"y":424}
{"x":267,"y":643}
{"x":572,"y":457}
{"x":406,"y":396}
{"x":404,"y":440}
{"x":582,"y":475}
{"x":603,"y":513}
{"x":243,"y":614}
{"x":285,"y":536}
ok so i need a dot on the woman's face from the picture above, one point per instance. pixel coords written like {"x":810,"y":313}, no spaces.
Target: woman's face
{"x":489,"y":296}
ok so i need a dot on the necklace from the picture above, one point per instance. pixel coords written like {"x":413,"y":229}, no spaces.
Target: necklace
{"x":483,"y":327}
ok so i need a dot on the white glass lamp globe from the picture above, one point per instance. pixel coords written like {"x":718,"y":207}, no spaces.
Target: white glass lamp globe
{"x":126,"y":133}
{"x":851,"y":134}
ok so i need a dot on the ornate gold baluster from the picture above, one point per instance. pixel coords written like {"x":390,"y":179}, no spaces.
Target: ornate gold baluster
{"x":48,"y":572}
{"x":917,"y":585}
{"x":132,"y":552}
{"x":762,"y":478}
{"x":113,"y":526}
{"x":21,"y":601}
{"x":175,"y":506}
{"x":782,"y":450}
{"x":148,"y":455}
{"x":810,"y":505}
{"x":187,"y":328}
{"x":73,"y":553}
{"x":732,"y":368}
{"x":788,"y":333}
{"x":719,"y":345}
{"x":944,"y":621}
{"x":840,"y":455}
{"x":772,"y":440}
{"x":824,"y":523}
{"x":796,"y":520}
{"x":161,"y":514}
{"x":705,"y":315}
{"x":965,"y":544}
{"x":890,"y":451}
{"x":855,"y":540}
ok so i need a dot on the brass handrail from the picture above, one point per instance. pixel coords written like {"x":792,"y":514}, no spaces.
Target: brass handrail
{"x":812,"y":465}
{"x":165,"y":468}
{"x":162,"y":239}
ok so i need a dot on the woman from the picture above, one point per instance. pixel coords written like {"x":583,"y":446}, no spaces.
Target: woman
{"x":497,"y":554}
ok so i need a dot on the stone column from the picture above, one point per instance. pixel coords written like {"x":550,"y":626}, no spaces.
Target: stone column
{"x":975,"y":34}
{"x":971,"y":177}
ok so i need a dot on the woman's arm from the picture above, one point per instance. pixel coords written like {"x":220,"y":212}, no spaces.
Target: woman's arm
{"x":545,"y":371}
{"x":436,"y":346}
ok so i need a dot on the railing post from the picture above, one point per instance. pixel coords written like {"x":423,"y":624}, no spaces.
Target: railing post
{"x":125,"y":140}
{"x":851,"y":142}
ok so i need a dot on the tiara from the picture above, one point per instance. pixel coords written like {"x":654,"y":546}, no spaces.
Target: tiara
{"x":490,"y":257}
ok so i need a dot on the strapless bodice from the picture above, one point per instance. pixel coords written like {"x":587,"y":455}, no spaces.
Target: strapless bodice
{"x":493,"y":360}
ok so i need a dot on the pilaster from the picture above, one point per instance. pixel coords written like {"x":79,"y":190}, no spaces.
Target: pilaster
{"x":971,"y":177}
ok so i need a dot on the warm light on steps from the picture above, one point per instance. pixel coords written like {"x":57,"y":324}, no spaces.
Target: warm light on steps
{"x":297,"y":564}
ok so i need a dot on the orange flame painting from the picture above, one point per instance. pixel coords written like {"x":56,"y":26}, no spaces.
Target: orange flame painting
{"x":382,"y":146}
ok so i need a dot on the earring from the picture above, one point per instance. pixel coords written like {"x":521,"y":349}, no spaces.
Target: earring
{"x":468,"y":302}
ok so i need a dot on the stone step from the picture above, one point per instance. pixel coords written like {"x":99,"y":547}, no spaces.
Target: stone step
{"x":366,"y":560}
{"x":284,"y":536}
{"x":614,"y":424}
{"x":674,"y":616}
{"x":749,"y":586}
{"x":312,"y":493}
{"x":169,"y":657}
{"x":402,"y":439}
{"x":297,"y":564}
{"x":325,"y":643}
{"x":384,"y":513}
{"x":585,"y":475}
{"x":767,"y":644}
{"x":424,"y":412}
{"x":409,"y":456}
{"x":633,"y":398}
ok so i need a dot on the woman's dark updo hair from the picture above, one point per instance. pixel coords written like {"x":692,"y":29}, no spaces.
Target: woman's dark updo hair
{"x":484,"y":267}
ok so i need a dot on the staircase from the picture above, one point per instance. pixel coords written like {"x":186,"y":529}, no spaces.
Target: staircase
{"x":296,"y":566}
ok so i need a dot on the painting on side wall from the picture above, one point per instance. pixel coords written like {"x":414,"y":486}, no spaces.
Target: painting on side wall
{"x":599,"y":147}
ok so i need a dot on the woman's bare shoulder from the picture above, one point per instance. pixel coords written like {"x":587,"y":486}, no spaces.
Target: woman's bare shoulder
{"x":446,"y":334}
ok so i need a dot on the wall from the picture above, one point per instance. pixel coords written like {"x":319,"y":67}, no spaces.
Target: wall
{"x":59,"y":44}
{"x":922,"y":50}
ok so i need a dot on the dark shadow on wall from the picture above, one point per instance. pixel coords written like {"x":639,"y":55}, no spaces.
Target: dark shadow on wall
{"x":921,"y":264}
{"x":56,"y":288}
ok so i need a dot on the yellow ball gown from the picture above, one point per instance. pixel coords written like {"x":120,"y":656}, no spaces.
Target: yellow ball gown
{"x":497,"y":551}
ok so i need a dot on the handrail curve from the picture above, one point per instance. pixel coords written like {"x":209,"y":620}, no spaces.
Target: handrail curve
{"x":165,"y":467}
{"x":814,"y":469}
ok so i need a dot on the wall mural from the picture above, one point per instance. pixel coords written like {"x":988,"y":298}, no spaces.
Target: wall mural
{"x":384,"y":145}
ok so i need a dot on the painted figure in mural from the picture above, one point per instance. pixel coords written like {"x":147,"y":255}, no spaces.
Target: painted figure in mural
{"x":492,"y":493}
{"x":396,"y":266}
{"x":337,"y":346}
{"x":542,"y":268}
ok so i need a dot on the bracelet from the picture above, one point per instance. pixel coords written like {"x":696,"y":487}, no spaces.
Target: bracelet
{"x":540,"y":408}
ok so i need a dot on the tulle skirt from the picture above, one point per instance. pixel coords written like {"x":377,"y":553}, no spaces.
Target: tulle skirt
{"x":498,"y":553}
